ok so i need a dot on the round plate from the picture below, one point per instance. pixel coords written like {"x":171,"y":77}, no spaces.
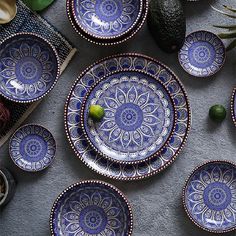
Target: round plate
{"x":32,"y":148}
{"x":91,"y":208}
{"x":108,"y":41}
{"x":139,"y":116}
{"x":29,"y":67}
{"x":233,"y":106}
{"x":78,"y":140}
{"x":210,"y":196}
{"x":203,"y":54}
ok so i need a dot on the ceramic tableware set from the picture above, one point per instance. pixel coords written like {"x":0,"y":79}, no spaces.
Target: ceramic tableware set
{"x":146,"y":123}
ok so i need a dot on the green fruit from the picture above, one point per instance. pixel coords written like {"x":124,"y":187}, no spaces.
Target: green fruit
{"x":217,"y":113}
{"x":167,"y":23}
{"x":96,"y":112}
{"x":38,"y":5}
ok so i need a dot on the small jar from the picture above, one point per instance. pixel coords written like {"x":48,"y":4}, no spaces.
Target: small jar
{"x":7,"y":186}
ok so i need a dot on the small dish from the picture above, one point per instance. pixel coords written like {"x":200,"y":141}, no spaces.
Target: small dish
{"x":108,"y":40}
{"x":203,"y":54}
{"x":7,"y":186}
{"x":29,"y":67}
{"x":139,"y":116}
{"x":209,"y":196}
{"x":32,"y":148}
{"x":91,"y":208}
{"x":233,"y":106}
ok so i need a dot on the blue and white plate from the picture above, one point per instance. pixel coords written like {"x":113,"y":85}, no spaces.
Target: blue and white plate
{"x":106,"y":19}
{"x":203,"y":54}
{"x":233,"y":106}
{"x":29,"y":67}
{"x":210,"y":196}
{"x":32,"y":148}
{"x":139,"y":116}
{"x":91,"y":208}
{"x":108,"y":40}
{"x":78,"y":140}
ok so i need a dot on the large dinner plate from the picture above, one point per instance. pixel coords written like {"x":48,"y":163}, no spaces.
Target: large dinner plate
{"x":139,"y":116}
{"x":77,"y":138}
{"x":91,"y":208}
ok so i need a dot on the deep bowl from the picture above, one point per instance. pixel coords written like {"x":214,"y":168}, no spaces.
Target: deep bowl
{"x":209,"y":196}
{"x":91,"y":208}
{"x":29,"y":67}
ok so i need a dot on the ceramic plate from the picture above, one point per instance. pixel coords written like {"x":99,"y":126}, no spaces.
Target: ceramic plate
{"x":91,"y":208}
{"x":203,"y":54}
{"x":32,"y":148}
{"x":108,"y":40}
{"x":77,"y":138}
{"x":29,"y":67}
{"x":139,"y":116}
{"x":107,"y":18}
{"x":210,"y":196}
{"x":233,"y":106}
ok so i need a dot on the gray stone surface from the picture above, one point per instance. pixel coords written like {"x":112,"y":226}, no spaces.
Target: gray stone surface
{"x":156,"y":201}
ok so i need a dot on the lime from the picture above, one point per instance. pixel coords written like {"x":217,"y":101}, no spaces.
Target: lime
{"x":96,"y":112}
{"x":217,"y":113}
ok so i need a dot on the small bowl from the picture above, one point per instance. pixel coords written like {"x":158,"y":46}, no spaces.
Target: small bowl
{"x":112,"y":39}
{"x":91,"y":208}
{"x":29,"y":67}
{"x":32,"y":148}
{"x":7,"y":186}
{"x":209,"y":196}
{"x":203,"y":54}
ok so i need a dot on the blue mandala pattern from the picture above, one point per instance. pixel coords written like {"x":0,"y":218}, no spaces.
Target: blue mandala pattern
{"x":107,"y":18}
{"x":210,"y":196}
{"x":91,"y":209}
{"x":28,"y":68}
{"x":32,"y":148}
{"x":78,"y":139}
{"x":203,"y":54}
{"x":139,"y":116}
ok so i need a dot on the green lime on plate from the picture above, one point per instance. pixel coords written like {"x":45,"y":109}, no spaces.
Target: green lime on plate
{"x":96,"y":112}
{"x":217,"y":113}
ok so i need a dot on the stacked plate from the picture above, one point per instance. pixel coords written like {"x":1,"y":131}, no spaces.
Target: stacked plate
{"x":107,"y":22}
{"x":146,"y":122}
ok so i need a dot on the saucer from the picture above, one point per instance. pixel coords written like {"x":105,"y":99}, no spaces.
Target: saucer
{"x":91,"y":208}
{"x":139,"y":116}
{"x":29,"y":67}
{"x":32,"y":148}
{"x":210,"y":196}
{"x":203,"y":54}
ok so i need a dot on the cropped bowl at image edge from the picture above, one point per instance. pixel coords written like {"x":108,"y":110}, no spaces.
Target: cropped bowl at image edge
{"x":97,"y":31}
{"x":29,"y":67}
{"x":209,"y":196}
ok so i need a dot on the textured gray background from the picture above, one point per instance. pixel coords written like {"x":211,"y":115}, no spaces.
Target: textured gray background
{"x":156,"y":201}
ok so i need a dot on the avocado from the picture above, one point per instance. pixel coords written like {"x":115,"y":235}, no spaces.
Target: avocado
{"x":167,"y":23}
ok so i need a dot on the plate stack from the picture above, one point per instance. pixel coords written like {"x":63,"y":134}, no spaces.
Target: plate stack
{"x":147,"y":117}
{"x":107,"y":22}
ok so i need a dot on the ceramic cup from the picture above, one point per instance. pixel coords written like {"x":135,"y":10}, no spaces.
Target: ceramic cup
{"x":7,"y":186}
